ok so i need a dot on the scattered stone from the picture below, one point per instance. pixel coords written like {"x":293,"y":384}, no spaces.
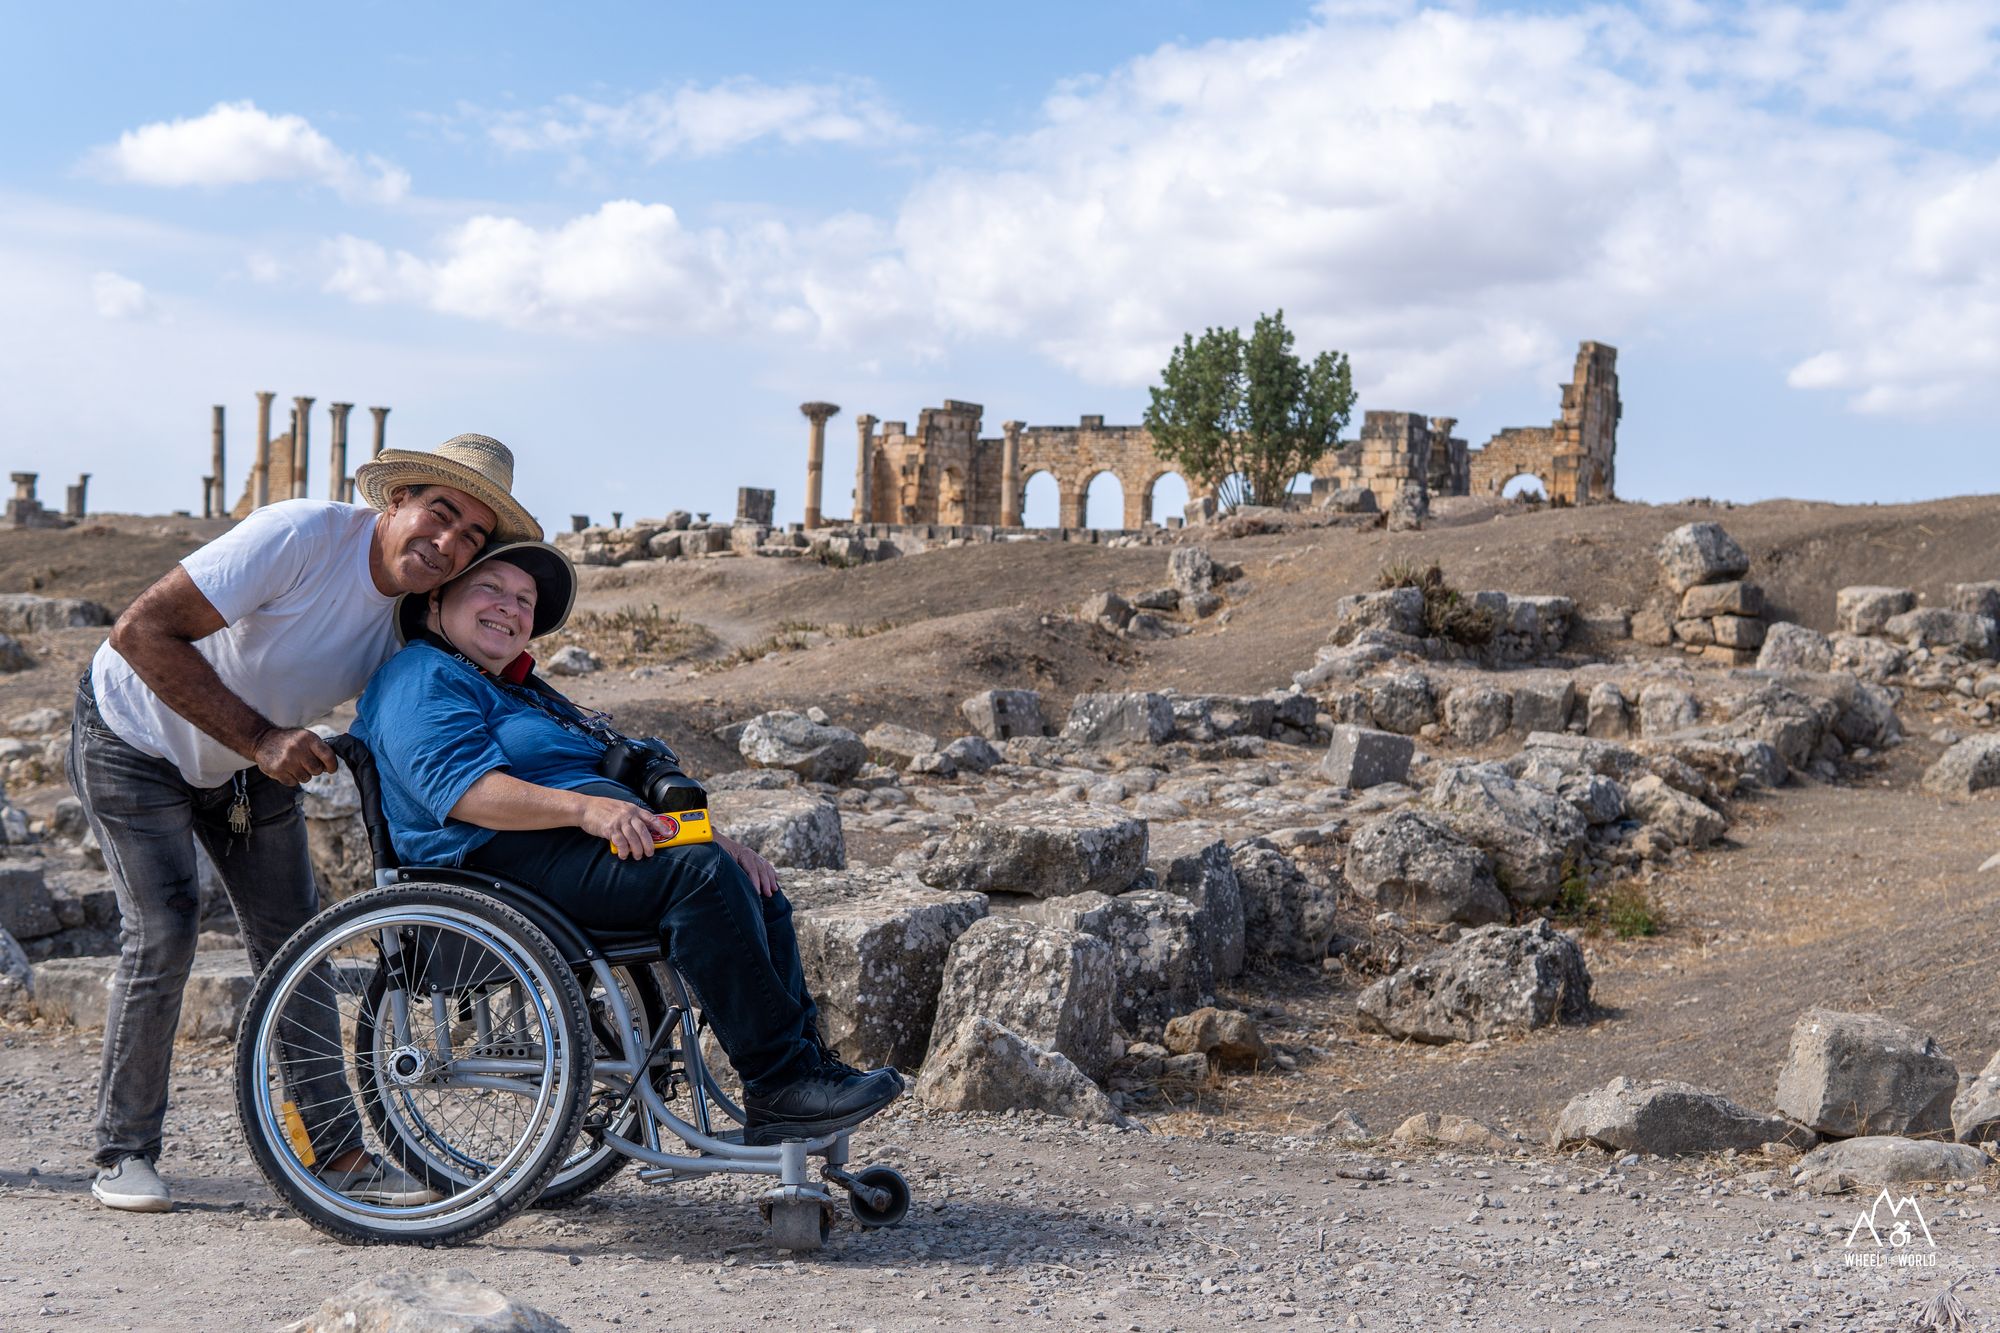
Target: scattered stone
{"x":1533,"y":835}
{"x":1789,"y":647}
{"x":1227,"y":1037}
{"x":437,"y":1300}
{"x":1191,"y":569}
{"x":1049,"y":985}
{"x":1285,"y":914}
{"x":17,"y":979}
{"x":1107,"y":609}
{"x":1699,"y":553}
{"x":874,"y":943}
{"x":1360,"y":757}
{"x":1707,"y":600}
{"x":985,"y":1066}
{"x":1415,"y":864}
{"x":1493,"y":980}
{"x":1792,"y":723}
{"x":1668,"y":1119}
{"x":1439,"y":1129}
{"x":1159,"y":599}
{"x":1976,"y":599}
{"x":752,"y":779}
{"x":1542,"y":702}
{"x":1934,"y":627}
{"x":1476,"y":714}
{"x":1397,"y":610}
{"x":1665,"y":709}
{"x":1679,"y":818}
{"x":76,"y":991}
{"x":1347,"y":1127}
{"x":1975,"y":1112}
{"x":572,"y":660}
{"x":1001,"y":715}
{"x":1043,"y":847}
{"x":1888,"y":1160}
{"x":1158,"y":954}
{"x":1855,"y":1074}
{"x":1971,"y":765}
{"x":1133,"y":718}
{"x":791,"y":740}
{"x":1351,"y":500}
{"x":1869,"y":659}
{"x":1867,"y":610}
{"x":971,"y":754}
{"x":26,"y":613}
{"x":1402,"y":702}
{"x":896,"y":746}
{"x":790,"y":827}
{"x":1198,"y":867}
{"x":39,"y":722}
{"x":1607,"y":714}
{"x":343,"y":862}
{"x":27,"y":908}
{"x":13,"y":657}
{"x":1652,"y":626}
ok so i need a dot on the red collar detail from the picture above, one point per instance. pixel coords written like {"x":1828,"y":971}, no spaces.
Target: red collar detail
{"x":518,"y":669}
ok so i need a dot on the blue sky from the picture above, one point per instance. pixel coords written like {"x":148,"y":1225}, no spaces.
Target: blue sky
{"x":630,"y":243}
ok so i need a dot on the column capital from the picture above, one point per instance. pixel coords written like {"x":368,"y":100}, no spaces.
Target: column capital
{"x":265,"y":396}
{"x":340,"y":409}
{"x":818,"y":413}
{"x":1013,"y":427}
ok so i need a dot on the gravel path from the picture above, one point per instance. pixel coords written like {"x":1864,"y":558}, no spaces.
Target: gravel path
{"x":1017,"y":1220}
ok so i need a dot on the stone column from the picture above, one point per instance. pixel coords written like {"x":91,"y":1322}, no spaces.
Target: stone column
{"x":261,"y":488}
{"x":381,"y":427}
{"x":339,"y":486}
{"x":301,"y":433}
{"x":817,"y":414}
{"x":1010,"y":474}
{"x":214,"y":501}
{"x":864,"y":469}
{"x":75,"y":500}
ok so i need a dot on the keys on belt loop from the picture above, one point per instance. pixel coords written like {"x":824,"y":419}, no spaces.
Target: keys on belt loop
{"x":239,"y":808}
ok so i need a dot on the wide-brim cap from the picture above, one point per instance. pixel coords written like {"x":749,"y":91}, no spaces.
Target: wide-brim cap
{"x":479,"y":465}
{"x":555,"y":587}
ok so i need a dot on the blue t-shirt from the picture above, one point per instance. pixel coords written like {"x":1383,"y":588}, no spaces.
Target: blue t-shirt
{"x":436,"y":725}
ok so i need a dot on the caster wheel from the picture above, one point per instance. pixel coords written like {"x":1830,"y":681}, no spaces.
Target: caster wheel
{"x":890,"y":1182}
{"x":800,"y":1225}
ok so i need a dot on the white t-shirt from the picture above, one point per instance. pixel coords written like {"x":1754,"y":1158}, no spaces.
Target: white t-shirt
{"x":305,"y":630}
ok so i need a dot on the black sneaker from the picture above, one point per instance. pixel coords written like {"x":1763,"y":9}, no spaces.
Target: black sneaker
{"x":831,"y":1097}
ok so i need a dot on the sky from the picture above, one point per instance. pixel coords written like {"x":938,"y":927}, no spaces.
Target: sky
{"x":629,"y":240}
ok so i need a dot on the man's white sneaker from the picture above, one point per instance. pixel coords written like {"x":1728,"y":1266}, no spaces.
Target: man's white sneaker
{"x":380,"y":1182}
{"x":132,"y":1185}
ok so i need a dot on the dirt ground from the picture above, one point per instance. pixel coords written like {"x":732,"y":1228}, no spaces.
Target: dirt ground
{"x":1861,"y":894}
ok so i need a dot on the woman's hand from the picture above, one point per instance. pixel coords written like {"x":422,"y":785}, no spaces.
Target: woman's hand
{"x":761,"y":872}
{"x":629,"y":828}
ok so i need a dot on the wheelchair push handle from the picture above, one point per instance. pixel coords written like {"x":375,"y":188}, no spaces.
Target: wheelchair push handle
{"x":368,"y":783}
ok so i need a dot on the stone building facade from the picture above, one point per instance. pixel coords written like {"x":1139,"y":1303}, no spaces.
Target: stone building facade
{"x":1576,"y":455}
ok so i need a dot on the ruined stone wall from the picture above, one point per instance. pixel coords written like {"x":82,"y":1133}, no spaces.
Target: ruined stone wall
{"x":1576,"y":455}
{"x":1395,"y":449}
{"x":1076,"y":455}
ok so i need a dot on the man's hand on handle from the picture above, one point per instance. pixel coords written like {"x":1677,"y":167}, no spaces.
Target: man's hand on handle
{"x":292,"y":755}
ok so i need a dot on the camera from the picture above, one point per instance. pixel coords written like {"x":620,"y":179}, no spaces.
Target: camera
{"x":649,"y":768}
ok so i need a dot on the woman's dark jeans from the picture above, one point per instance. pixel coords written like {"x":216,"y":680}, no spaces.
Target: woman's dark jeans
{"x":735,"y":949}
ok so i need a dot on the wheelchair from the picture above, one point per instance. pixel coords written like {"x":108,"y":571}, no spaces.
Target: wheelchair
{"x":456,"y":1024}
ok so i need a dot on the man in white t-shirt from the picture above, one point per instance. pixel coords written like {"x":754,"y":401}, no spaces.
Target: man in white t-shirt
{"x":192,"y":724}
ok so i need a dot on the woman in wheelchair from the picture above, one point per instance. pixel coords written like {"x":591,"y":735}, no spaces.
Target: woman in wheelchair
{"x":484,"y":765}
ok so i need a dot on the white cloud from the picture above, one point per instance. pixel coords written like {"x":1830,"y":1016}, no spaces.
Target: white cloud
{"x":118,"y":297}
{"x":236,"y":143}
{"x":693,"y":121}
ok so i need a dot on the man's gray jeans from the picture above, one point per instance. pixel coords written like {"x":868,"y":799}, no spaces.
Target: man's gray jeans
{"x":146,"y":817}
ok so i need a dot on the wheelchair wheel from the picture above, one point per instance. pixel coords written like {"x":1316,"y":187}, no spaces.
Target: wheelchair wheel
{"x":428,"y":1024}
{"x":590,"y":1163}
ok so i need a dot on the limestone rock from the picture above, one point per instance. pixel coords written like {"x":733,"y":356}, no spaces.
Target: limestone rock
{"x":1792,"y":723}
{"x":1402,"y":702}
{"x":971,"y":754}
{"x":1743,"y":633}
{"x":1532,"y":835}
{"x":1679,"y":818}
{"x":1971,"y":765}
{"x":1789,"y":647}
{"x":1934,"y":627}
{"x":1697,"y":553}
{"x":17,"y":979}
{"x":1398,"y":610}
{"x":1227,"y":1037}
{"x":1476,"y":714}
{"x":1001,"y":715}
{"x":1607,"y":714}
{"x":1285,"y":914}
{"x":1107,"y":609}
{"x":26,"y":613}
{"x":789,"y":827}
{"x":1665,"y":709}
{"x":1158,"y":954}
{"x":1542,"y":702}
{"x":1413,"y":863}
{"x":1351,"y":500}
{"x":1213,"y":717}
{"x":1199,"y":868}
{"x":1722,"y":599}
{"x":1855,"y":1074}
{"x":794,"y":741}
{"x":873,"y":943}
{"x":572,"y":660}
{"x":1359,"y":757}
{"x":76,"y":991}
{"x":437,"y":1300}
{"x":1434,"y":1128}
{"x":1866,"y":610}
{"x":1869,"y":659}
{"x":1043,"y":847}
{"x":1493,"y":980}
{"x":1052,"y":986}
{"x":1668,"y":1118}
{"x":1885,"y":1159}
{"x":343,"y":863}
{"x":1134,"y":718}
{"x":983,"y":1065}
{"x":13,"y":657}
{"x":1191,"y":569}
{"x":1652,"y":626}
{"x":1976,"y":599}
{"x":895,"y":745}
{"x":27,"y":908}
{"x":1975,"y":1112}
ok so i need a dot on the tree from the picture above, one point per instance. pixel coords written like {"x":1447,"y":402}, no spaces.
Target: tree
{"x":1242,"y":418}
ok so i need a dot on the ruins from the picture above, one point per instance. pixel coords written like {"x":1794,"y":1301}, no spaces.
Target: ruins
{"x":25,"y":510}
{"x":279,"y":468}
{"x":945,"y":472}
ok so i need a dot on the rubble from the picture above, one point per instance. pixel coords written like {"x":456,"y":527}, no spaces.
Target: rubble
{"x":1666,"y":1118}
{"x":791,"y":740}
{"x":1413,"y":863}
{"x":1853,"y":1074}
{"x":1493,"y":980}
{"x":789,"y":827}
{"x":1359,"y":758}
{"x":1227,"y":1037}
{"x":1286,"y":914}
{"x":1043,"y":847}
{"x":1052,"y":986}
{"x":984,"y":1065}
{"x":437,"y":1300}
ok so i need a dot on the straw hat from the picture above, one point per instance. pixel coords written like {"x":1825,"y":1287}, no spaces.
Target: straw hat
{"x":479,"y":465}
{"x":555,"y":587}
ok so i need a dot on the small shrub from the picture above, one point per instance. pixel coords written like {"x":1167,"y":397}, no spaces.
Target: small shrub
{"x":631,"y":635}
{"x":1447,"y":615}
{"x":1623,"y":909}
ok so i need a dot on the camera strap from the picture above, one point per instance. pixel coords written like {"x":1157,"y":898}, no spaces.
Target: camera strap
{"x":539,"y":695}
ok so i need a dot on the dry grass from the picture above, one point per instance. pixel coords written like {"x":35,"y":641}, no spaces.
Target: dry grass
{"x":796,"y":636}
{"x":634,"y":636}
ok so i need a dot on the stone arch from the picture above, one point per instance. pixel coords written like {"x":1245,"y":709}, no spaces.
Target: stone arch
{"x":1512,"y":488}
{"x":1151,"y":501}
{"x":1104,"y":504}
{"x":953,"y":502}
{"x":1041,"y":506}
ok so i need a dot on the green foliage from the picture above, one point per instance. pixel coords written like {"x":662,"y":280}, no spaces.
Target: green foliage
{"x":1624,"y":909}
{"x":1447,"y":615}
{"x":1243,"y":417}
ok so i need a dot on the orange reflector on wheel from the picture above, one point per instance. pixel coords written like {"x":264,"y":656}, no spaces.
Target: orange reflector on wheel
{"x":295,"y":1130}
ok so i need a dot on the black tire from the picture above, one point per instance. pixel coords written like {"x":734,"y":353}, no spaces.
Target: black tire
{"x":561,"y":1095}
{"x":888,"y":1179}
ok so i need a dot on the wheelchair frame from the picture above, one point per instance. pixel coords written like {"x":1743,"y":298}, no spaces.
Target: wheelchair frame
{"x":798,"y":1209}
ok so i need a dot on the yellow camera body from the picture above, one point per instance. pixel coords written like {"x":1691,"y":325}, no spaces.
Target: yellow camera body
{"x":686,"y":826}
